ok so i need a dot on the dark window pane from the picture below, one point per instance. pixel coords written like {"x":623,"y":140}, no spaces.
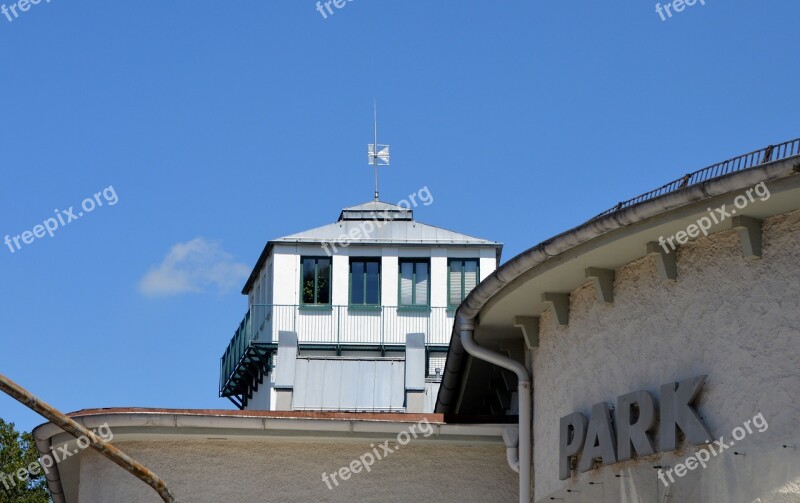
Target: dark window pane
{"x":308,"y":281}
{"x":357,"y":282}
{"x":323,"y":281}
{"x":406,"y":278}
{"x":373,"y":294}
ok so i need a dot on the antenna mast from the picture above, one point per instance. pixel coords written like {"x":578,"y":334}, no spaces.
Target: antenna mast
{"x":378,"y":154}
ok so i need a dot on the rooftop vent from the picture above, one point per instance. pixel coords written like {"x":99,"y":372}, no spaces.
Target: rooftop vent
{"x":376,"y":210}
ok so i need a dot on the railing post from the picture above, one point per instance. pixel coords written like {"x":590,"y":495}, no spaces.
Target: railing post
{"x":338,"y":330}
{"x":428,"y":332}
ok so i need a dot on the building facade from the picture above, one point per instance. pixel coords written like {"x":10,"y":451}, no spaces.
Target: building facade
{"x":209,"y":456}
{"x":658,"y":343}
{"x":650,"y":355}
{"x":353,"y":316}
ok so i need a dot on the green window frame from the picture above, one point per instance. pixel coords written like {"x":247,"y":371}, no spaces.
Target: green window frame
{"x":365,"y":282}
{"x":315,"y":281}
{"x":462,"y":276}
{"x":411,"y":299}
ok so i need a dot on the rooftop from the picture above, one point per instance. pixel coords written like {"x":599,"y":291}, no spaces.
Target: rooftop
{"x":374,"y":223}
{"x":617,"y":236}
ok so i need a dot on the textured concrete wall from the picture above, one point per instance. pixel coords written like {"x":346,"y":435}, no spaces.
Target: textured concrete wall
{"x":736,"y":320}
{"x":213,"y":471}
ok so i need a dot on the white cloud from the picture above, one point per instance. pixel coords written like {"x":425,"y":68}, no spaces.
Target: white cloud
{"x":195,"y":266}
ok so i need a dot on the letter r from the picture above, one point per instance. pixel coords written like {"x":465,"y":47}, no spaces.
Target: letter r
{"x":634,"y":435}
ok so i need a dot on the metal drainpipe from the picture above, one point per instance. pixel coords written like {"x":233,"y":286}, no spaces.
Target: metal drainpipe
{"x":466,"y":329}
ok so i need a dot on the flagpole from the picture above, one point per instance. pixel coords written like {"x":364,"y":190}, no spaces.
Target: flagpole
{"x":375,"y":148}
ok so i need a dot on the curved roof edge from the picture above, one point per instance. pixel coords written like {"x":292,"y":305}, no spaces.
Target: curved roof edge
{"x":588,"y":231}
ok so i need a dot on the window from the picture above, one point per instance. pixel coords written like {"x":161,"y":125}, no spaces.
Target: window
{"x":414,"y":283}
{"x":316,"y":281}
{"x":365,"y":282}
{"x":462,"y":278}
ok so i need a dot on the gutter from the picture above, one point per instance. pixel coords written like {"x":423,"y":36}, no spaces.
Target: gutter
{"x":519,"y":457}
{"x":43,"y":445}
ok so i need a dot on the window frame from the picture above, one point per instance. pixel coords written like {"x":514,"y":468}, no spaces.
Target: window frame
{"x":413,"y":306}
{"x":365,"y":260}
{"x":463,"y":295}
{"x":316,"y":305}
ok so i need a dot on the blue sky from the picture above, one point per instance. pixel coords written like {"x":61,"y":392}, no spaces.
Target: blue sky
{"x":222,"y":125}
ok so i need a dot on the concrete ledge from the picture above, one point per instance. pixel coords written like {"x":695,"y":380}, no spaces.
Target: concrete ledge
{"x":603,"y":281}
{"x":558,"y":303}
{"x":749,"y":230}
{"x":666,"y":263}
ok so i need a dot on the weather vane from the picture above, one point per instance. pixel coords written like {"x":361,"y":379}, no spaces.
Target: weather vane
{"x":378,"y":154}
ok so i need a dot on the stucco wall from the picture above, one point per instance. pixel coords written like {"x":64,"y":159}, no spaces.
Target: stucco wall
{"x":736,"y":320}
{"x":214,"y":471}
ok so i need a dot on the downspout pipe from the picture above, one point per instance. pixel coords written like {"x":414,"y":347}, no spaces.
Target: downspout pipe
{"x":467,"y":330}
{"x":511,"y":439}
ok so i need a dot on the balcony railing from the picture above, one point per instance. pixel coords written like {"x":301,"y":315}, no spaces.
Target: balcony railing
{"x":335,"y":327}
{"x":765,"y":155}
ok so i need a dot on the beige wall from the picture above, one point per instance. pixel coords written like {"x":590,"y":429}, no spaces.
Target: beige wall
{"x":736,"y":320}
{"x":258,"y":471}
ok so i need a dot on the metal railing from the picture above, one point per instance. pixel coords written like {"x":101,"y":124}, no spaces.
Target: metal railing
{"x":241,"y":340}
{"x":338,"y":326}
{"x":746,"y":161}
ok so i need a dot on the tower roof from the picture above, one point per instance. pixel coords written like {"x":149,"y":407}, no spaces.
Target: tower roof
{"x":374,"y":223}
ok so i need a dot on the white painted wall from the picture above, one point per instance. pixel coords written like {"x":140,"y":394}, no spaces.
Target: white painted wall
{"x":285,"y":261}
{"x":735,"y":320}
{"x":488,"y":262}
{"x":279,"y":283}
{"x":439,"y":277}
{"x":287,"y":275}
{"x":389,"y":278}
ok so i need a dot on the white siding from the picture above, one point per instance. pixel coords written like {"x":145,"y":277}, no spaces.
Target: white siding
{"x":389,"y":287}
{"x":282,"y":271}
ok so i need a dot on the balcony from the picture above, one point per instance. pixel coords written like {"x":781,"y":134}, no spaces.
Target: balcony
{"x":247,"y":359}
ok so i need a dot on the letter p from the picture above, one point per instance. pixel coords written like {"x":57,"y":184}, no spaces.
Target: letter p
{"x":363,"y":459}
{"x":47,"y":462}
{"x":571,"y":438}
{"x":704,"y":224}
{"x":51,"y":228}
{"x":702,"y":456}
